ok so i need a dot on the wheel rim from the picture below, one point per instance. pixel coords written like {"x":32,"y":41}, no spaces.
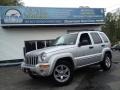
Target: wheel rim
{"x":62,"y":73}
{"x":108,"y":62}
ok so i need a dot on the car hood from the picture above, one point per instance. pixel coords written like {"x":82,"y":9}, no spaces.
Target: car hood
{"x":50,"y":49}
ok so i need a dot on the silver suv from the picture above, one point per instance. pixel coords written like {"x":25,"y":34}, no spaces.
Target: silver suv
{"x":69,"y":52}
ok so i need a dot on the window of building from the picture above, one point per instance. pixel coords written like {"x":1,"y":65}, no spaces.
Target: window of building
{"x":40,"y":44}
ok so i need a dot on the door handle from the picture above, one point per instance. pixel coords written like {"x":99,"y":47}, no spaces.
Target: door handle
{"x":91,"y":47}
{"x":103,"y":45}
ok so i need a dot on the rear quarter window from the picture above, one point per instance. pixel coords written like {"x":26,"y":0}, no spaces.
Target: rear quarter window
{"x":105,"y":39}
{"x":96,"y":38}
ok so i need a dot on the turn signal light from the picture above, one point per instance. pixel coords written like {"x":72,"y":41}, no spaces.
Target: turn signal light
{"x":44,"y":66}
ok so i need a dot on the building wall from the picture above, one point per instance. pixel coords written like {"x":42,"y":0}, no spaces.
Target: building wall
{"x":12,"y":39}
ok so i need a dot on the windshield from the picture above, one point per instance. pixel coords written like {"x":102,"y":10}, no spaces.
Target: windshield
{"x":69,"y":39}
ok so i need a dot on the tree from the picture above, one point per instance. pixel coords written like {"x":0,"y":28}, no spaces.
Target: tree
{"x":11,"y":3}
{"x":112,"y":26}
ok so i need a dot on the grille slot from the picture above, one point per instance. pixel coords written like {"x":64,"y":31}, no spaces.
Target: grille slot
{"x":31,"y":60}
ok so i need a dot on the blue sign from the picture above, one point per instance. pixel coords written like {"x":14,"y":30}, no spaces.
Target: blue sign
{"x":13,"y":15}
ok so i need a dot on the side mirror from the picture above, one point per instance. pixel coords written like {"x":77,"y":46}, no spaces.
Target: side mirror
{"x":84,"y":42}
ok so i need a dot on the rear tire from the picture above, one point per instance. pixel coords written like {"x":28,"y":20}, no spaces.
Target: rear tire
{"x":106,"y":63}
{"x":62,"y":73}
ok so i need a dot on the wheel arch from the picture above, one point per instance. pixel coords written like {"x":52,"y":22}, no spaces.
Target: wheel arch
{"x":61,"y":57}
{"x":107,"y":51}
{"x":66,"y":59}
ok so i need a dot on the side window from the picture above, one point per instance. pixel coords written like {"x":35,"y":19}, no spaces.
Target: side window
{"x":96,"y":38}
{"x":85,"y":39}
{"x":104,"y":37}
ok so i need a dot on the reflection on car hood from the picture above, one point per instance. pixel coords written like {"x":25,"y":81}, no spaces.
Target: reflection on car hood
{"x":49,"y":49}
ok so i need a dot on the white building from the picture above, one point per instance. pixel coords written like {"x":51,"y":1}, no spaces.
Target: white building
{"x":14,"y":31}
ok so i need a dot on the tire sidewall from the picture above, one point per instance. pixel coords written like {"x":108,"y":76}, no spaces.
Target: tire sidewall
{"x":71,"y":73}
{"x":103,"y":64}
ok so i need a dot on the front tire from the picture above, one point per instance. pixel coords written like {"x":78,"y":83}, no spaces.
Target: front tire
{"x":106,"y":63}
{"x":62,"y":73}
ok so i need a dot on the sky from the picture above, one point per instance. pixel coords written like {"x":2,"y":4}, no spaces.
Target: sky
{"x":109,"y":5}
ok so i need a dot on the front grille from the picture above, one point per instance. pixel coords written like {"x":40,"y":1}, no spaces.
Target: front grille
{"x":31,"y":60}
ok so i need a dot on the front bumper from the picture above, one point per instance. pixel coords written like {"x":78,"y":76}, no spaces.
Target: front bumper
{"x":42,"y":69}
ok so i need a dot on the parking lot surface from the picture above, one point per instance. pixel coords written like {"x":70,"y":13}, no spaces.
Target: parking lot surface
{"x":88,"y":78}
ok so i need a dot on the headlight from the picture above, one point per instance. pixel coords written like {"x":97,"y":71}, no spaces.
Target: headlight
{"x":43,"y":56}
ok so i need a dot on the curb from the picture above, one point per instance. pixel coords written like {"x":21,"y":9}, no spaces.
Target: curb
{"x":116,"y":62}
{"x":9,"y":64}
{"x":15,"y":62}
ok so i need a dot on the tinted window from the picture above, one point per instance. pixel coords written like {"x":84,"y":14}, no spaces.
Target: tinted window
{"x":104,"y":37}
{"x":86,"y":37}
{"x":96,"y":38}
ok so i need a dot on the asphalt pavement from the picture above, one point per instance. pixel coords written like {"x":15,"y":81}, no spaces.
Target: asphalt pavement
{"x":88,"y":78}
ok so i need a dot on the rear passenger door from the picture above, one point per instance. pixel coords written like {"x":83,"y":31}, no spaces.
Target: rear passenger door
{"x":98,"y":46}
{"x":105,"y":39}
